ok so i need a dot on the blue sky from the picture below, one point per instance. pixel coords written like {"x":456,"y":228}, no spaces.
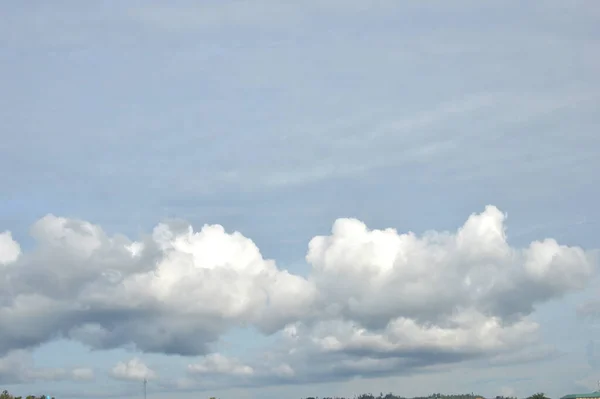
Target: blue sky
{"x":275,"y":119}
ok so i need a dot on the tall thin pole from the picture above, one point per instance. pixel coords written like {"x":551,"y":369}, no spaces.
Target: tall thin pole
{"x":145,"y":383}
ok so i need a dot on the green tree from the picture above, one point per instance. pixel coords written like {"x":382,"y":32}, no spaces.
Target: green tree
{"x":539,"y":395}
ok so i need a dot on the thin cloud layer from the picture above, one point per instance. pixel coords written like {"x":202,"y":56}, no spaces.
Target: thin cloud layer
{"x":219,"y":364}
{"x":376,"y":302}
{"x":17,"y":367}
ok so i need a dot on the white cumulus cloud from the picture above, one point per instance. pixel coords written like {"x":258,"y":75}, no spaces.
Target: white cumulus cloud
{"x":9,"y":248}
{"x":132,"y":370}
{"x":403,"y":301}
{"x":375,"y":276}
{"x":173,"y":291}
{"x":374,"y":301}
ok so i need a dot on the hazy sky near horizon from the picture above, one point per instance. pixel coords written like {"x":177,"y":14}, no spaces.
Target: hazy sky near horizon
{"x":266,"y":199}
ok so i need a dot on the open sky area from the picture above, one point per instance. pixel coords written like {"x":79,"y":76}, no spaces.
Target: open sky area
{"x":281,"y":199}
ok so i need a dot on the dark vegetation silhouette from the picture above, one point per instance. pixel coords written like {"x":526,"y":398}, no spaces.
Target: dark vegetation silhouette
{"x":6,"y":395}
{"x":540,"y":395}
{"x":432,"y":396}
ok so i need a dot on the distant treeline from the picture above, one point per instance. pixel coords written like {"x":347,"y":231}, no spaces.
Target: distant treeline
{"x":6,"y":395}
{"x":432,"y":396}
